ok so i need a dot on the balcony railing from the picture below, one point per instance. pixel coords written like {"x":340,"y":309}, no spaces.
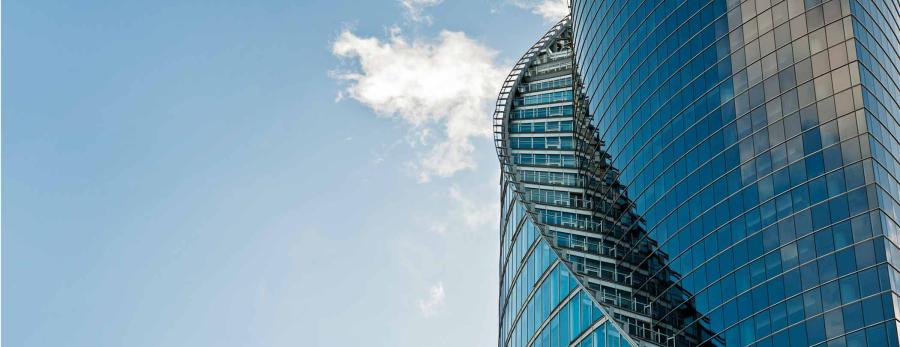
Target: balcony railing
{"x":568,"y":222}
{"x":570,"y":202}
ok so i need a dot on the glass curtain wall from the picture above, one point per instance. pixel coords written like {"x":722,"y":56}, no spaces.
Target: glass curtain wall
{"x":756,"y":147}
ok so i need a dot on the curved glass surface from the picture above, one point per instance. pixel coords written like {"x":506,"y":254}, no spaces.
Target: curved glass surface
{"x":545,"y":300}
{"x":752,"y":160}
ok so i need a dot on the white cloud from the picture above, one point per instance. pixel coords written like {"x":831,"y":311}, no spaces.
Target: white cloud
{"x":415,"y":9}
{"x":434,"y":302}
{"x":442,"y":88}
{"x":551,"y":10}
{"x":467,"y":211}
{"x":474,"y":212}
{"x":440,"y":229}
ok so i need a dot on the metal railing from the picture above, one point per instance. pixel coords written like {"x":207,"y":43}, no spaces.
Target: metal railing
{"x":504,"y":104}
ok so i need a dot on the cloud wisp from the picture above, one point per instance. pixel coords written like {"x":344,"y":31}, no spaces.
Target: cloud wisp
{"x":475,"y":212}
{"x":468,"y":212}
{"x":441,"y":88}
{"x":431,"y":305}
{"x":415,"y":9}
{"x":551,"y":10}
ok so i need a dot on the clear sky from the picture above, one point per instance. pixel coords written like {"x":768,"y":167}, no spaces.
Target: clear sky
{"x":253,"y":173}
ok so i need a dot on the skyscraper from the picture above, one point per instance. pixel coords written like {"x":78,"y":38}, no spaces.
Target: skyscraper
{"x":542,"y":141}
{"x":706,"y":173}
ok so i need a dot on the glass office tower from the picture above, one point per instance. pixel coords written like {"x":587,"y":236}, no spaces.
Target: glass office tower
{"x":721,"y":173}
{"x":546,"y":148}
{"x":741,"y":159}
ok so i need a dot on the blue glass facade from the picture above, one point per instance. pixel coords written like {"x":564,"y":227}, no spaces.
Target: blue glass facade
{"x":747,"y":187}
{"x":541,"y":142}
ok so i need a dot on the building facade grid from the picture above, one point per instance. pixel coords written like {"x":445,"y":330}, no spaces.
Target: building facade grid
{"x":757,"y":141}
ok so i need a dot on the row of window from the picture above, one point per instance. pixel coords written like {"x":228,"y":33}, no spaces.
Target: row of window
{"x":546,"y":84}
{"x":568,"y":219}
{"x":554,"y":197}
{"x":543,"y":112}
{"x":551,"y":142}
{"x":541,"y":127}
{"x":588,"y":244}
{"x":550,"y":178}
{"x":559,"y":65}
{"x":559,"y":160}
{"x":544,"y":98}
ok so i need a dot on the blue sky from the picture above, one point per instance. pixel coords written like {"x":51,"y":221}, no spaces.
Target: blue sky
{"x":253,"y":173}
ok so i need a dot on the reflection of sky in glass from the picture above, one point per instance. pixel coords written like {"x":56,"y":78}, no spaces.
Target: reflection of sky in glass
{"x":739,"y":136}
